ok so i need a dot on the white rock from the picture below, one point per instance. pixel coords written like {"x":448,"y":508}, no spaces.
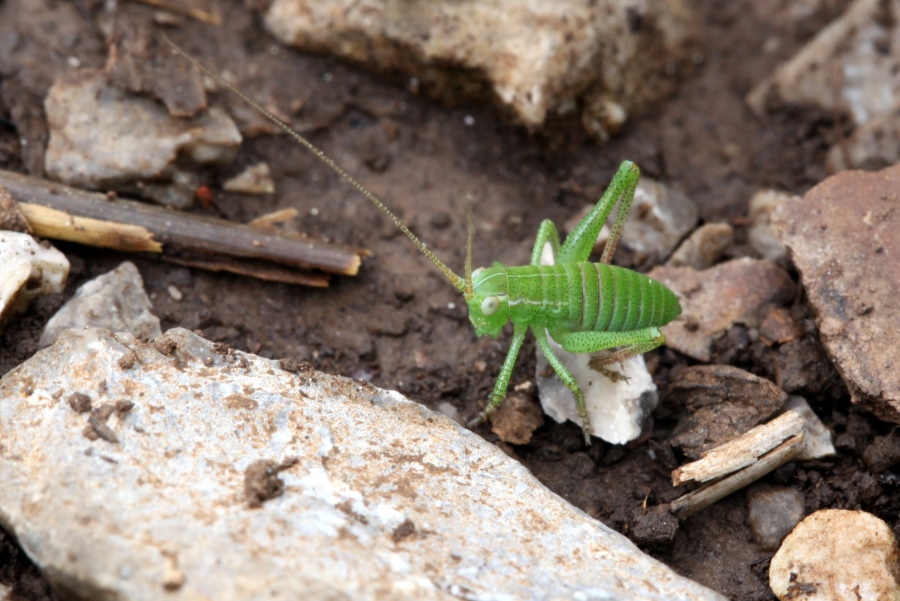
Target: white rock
{"x":102,"y":138}
{"x":617,"y":410}
{"x":385,"y":499}
{"x":115,"y":301}
{"x":255,"y":179}
{"x":27,"y":270}
{"x":539,"y":58}
{"x":836,"y":554}
{"x":764,"y":238}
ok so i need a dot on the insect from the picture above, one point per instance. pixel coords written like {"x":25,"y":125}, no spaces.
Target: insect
{"x":586,"y":307}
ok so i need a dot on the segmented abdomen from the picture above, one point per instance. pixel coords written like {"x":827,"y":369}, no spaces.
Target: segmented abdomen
{"x":588,"y":297}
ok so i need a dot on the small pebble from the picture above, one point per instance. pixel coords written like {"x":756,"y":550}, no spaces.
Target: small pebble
{"x":773,"y":513}
{"x":175,"y":293}
{"x":837,"y":554}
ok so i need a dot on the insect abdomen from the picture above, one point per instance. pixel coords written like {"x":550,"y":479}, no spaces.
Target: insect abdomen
{"x":625,"y":300}
{"x":589,"y":297}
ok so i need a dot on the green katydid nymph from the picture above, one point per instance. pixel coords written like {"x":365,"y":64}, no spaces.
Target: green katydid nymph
{"x":585,"y":307}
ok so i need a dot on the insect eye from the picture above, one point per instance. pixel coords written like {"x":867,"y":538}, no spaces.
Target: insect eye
{"x":490,"y":305}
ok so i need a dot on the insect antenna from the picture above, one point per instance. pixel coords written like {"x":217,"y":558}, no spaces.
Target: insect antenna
{"x":470,"y":234}
{"x":458,"y":282}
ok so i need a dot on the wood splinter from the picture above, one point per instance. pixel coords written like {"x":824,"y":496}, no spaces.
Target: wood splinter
{"x":65,"y":213}
{"x":794,"y":435}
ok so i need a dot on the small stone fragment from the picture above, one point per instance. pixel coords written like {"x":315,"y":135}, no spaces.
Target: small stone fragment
{"x":873,"y":145}
{"x":103,"y":138}
{"x":772,"y":513}
{"x":28,"y":270}
{"x":102,"y":430}
{"x":540,"y":59}
{"x":165,"y":345}
{"x":517,"y":419}
{"x":721,"y":402}
{"x":844,"y":236}
{"x":127,"y":360}
{"x":883,"y":453}
{"x":714,"y":300}
{"x":837,"y":554}
{"x":11,"y":218}
{"x":255,"y":179}
{"x":702,"y":249}
{"x":115,"y":300}
{"x":779,"y":326}
{"x":764,"y":238}
{"x":261,"y":481}
{"x":123,"y":406}
{"x":79,"y":402}
{"x":653,"y":527}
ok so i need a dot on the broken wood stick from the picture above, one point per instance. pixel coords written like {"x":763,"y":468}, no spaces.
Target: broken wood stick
{"x":66,"y":213}
{"x":796,"y":434}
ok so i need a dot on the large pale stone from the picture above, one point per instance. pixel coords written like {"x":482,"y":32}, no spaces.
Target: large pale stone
{"x":147,"y":471}
{"x":538,"y":58}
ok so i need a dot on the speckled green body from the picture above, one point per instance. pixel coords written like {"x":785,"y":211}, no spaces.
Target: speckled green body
{"x":587,"y":297}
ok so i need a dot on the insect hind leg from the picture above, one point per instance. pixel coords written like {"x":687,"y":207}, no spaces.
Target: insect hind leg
{"x":626,"y":345}
{"x":567,"y":378}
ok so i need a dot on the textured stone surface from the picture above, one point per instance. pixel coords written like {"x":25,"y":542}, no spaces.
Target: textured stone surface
{"x":715,"y":299}
{"x":115,"y":301}
{"x":836,"y":554}
{"x":27,"y":270}
{"x":101,"y":138}
{"x":144,"y":494}
{"x":844,"y":238}
{"x":537,"y":58}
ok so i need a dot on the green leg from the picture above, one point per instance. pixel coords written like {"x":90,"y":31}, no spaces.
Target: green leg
{"x":567,"y":378}
{"x":546,"y":233}
{"x":579,"y":243}
{"x":499,"y":392}
{"x":631,"y":344}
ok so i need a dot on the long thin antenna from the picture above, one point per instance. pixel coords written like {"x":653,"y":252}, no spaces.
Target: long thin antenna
{"x":457,"y":281}
{"x":470,"y":233}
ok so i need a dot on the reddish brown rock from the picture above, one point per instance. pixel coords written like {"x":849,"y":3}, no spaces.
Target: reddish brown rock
{"x":844,"y":237}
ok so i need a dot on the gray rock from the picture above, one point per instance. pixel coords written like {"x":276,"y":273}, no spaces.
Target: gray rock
{"x":837,"y":554}
{"x":715,"y":299}
{"x":102,"y":138}
{"x":773,"y":512}
{"x":115,"y":301}
{"x":378,"y":497}
{"x":538,"y":58}
{"x":764,"y":237}
{"x":702,"y":249}
{"x":844,"y":237}
{"x":27,"y":270}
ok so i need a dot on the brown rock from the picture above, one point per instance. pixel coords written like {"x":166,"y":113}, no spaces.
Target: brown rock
{"x":844,"y":236}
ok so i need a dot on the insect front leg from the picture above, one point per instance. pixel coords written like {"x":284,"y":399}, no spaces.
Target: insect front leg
{"x":500,"y":386}
{"x":540,"y":336}
{"x":580,"y":242}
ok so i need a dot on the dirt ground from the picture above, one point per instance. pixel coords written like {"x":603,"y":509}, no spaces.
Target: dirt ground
{"x":398,"y":324}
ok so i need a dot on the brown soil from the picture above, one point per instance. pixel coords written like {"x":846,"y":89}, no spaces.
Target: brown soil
{"x":398,"y":324}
